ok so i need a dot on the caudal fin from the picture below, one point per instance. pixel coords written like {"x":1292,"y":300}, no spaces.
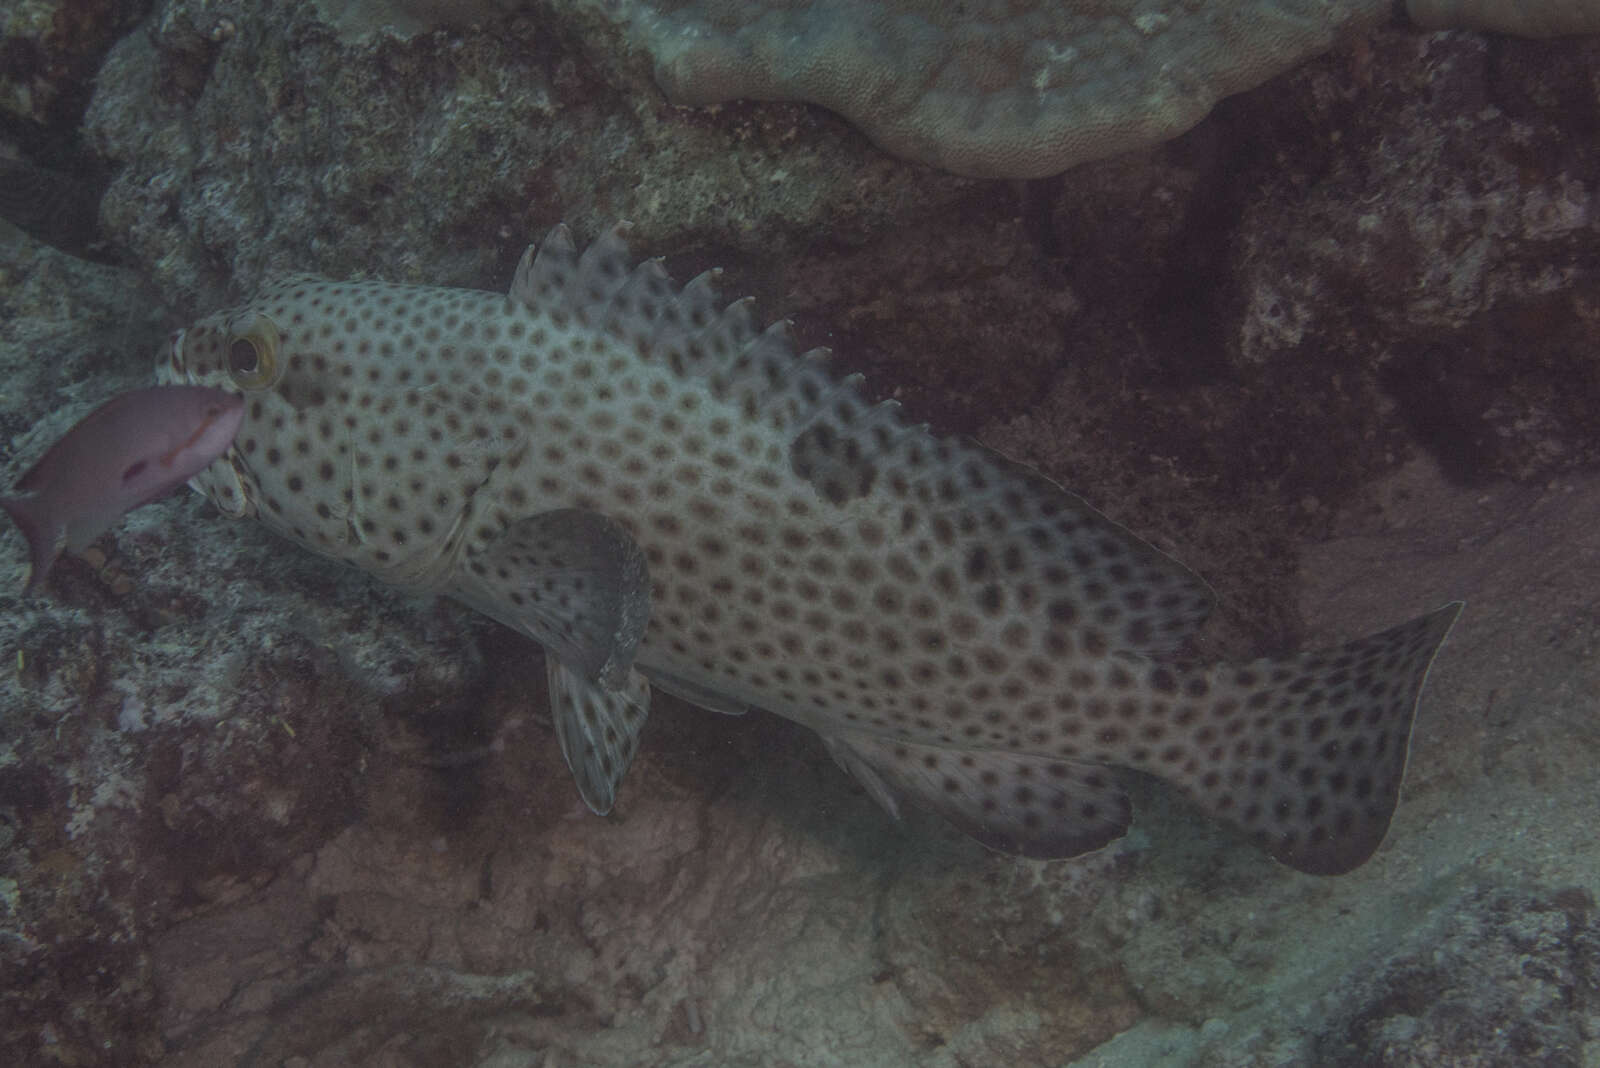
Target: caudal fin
{"x":45,"y":537}
{"x":1306,"y":753}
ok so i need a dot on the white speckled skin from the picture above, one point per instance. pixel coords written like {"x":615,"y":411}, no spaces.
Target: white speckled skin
{"x":962,"y":632}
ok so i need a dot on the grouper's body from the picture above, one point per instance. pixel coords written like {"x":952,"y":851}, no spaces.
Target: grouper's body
{"x":660,"y":494}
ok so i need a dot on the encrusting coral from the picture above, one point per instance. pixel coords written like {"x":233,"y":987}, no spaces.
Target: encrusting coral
{"x":989,"y":88}
{"x":1520,"y":18}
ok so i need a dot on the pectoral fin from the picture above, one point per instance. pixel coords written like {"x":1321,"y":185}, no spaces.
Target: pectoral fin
{"x":573,"y":581}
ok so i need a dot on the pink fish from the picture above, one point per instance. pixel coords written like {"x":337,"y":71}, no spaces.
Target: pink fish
{"x":127,"y":452}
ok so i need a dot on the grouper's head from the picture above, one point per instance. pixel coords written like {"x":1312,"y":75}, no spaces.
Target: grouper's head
{"x":291,"y":454}
{"x":372,"y":413}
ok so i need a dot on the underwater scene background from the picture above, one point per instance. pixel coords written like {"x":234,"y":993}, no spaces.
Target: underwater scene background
{"x":1307,"y":296}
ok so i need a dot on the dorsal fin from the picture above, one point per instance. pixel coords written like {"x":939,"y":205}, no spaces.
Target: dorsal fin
{"x":955,"y":491}
{"x":688,"y":329}
{"x":542,"y":278}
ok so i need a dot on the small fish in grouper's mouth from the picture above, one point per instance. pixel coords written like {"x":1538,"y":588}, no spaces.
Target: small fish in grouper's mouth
{"x":127,"y":452}
{"x":663,"y":494}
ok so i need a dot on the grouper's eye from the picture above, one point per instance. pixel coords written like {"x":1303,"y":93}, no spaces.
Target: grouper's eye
{"x":253,"y":355}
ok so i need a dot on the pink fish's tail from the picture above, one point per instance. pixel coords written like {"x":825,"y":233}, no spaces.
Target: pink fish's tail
{"x":44,"y":544}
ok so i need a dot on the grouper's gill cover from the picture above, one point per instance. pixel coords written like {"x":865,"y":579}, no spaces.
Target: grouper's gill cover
{"x":659,"y":492}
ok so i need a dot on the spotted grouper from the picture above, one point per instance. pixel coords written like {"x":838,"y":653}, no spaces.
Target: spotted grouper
{"x":662,"y":494}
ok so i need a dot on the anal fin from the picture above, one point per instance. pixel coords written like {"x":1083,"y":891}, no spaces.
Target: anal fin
{"x":1010,"y":802}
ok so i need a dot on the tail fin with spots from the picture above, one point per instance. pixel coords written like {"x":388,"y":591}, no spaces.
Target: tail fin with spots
{"x":1305,"y":753}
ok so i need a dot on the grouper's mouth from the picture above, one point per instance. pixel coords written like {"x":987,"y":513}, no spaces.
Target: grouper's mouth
{"x":174,"y":356}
